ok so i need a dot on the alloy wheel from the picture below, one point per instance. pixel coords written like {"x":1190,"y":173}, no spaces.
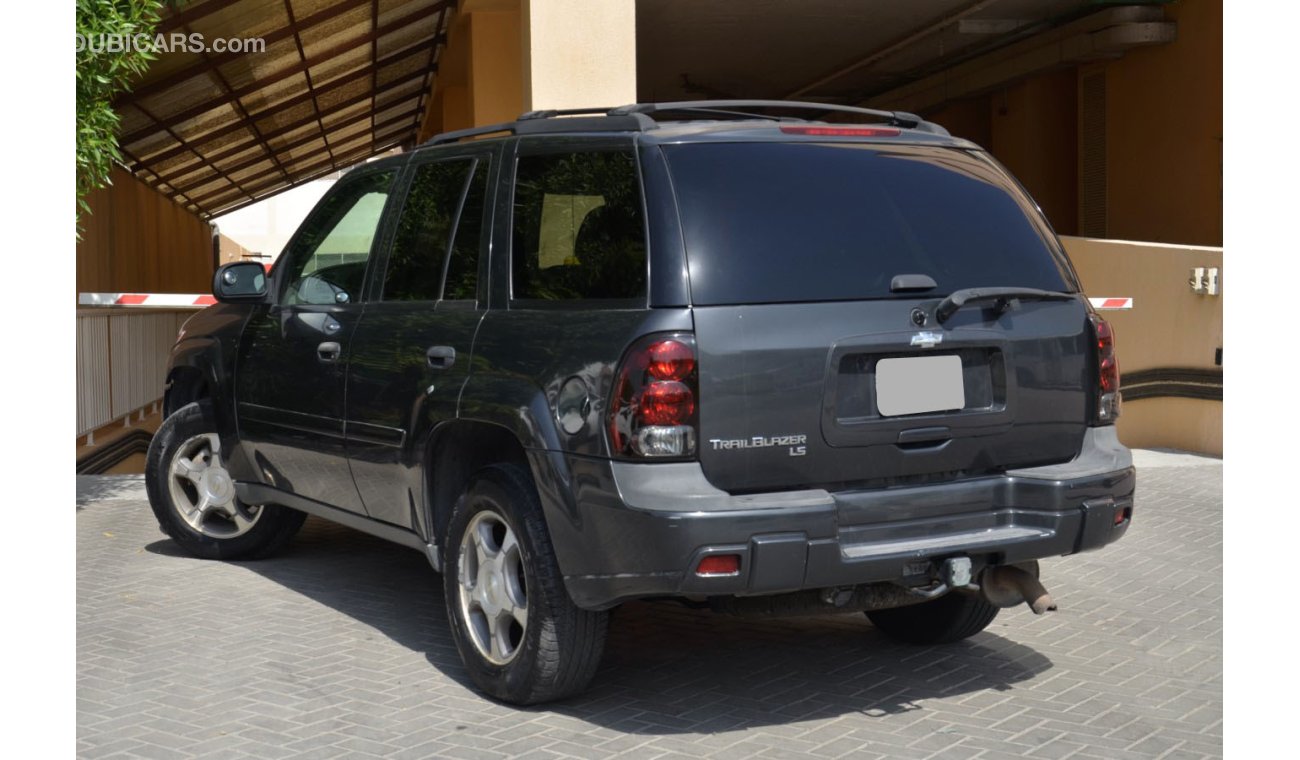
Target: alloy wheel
{"x":493,"y":590}
{"x":203,"y":492}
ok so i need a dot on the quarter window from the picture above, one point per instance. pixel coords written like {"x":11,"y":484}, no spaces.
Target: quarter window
{"x":579,"y":232}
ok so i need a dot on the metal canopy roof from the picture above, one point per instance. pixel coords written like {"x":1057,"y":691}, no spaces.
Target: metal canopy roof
{"x":841,"y":51}
{"x":338,"y":81}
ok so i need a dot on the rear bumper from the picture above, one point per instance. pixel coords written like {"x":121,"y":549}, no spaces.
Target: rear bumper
{"x":648,"y":536}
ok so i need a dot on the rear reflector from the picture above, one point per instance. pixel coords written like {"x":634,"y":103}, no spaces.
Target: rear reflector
{"x":842,"y":131}
{"x":719,"y":564}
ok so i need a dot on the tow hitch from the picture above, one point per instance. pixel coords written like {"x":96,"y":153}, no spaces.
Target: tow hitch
{"x":1001,"y":586}
{"x":954,"y":575}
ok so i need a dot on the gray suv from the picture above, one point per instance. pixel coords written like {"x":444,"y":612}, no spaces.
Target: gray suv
{"x":719,"y":352}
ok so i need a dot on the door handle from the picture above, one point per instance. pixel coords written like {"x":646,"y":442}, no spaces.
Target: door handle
{"x":440,"y":357}
{"x":328,"y":351}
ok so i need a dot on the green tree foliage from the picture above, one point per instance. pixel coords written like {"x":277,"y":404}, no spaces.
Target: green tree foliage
{"x":102,"y":74}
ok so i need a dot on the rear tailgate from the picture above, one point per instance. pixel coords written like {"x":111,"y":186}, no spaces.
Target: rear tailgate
{"x":791,"y":397}
{"x":813,"y":372}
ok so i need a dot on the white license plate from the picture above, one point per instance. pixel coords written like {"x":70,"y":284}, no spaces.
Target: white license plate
{"x":920,"y":384}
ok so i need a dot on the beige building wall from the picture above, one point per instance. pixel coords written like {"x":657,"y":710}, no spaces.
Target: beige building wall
{"x":1169,"y":327}
{"x":505,"y":57}
{"x":580,"y":53}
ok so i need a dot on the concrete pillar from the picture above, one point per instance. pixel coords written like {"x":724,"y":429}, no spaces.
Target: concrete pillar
{"x":505,"y":57}
{"x":579,"y":53}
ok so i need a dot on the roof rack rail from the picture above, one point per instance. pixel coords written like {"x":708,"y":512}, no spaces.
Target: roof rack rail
{"x":735,"y":107}
{"x":636,"y":117}
{"x":543,"y":122}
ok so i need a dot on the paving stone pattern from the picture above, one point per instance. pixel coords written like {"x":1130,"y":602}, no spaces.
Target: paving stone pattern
{"x":339,"y":648}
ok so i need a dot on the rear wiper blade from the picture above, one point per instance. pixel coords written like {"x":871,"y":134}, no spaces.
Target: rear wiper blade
{"x":1003,"y":298}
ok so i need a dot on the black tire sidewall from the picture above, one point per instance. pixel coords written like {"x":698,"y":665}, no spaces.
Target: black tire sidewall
{"x":188,"y":421}
{"x":517,"y":681}
{"x":950,"y":618}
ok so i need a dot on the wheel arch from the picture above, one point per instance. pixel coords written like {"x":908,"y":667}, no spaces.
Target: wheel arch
{"x":185,"y":384}
{"x":456,"y":450}
{"x":199,"y":370}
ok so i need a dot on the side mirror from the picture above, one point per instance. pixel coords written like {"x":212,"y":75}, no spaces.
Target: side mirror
{"x":239,"y":282}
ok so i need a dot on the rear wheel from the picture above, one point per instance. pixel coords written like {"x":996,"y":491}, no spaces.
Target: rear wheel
{"x":951,"y":617}
{"x":521,"y":638}
{"x":193,"y":496}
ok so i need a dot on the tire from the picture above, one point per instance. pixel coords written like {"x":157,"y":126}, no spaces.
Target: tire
{"x":951,"y":617}
{"x":499,"y":561}
{"x":193,"y":496}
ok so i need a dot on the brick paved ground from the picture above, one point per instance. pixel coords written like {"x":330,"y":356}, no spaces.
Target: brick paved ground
{"x":340,"y":649}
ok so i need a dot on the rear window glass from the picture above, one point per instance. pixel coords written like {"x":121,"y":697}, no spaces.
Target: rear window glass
{"x":792,"y":222}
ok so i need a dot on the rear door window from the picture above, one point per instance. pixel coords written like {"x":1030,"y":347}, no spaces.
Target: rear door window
{"x":424,"y":228}
{"x":797,"y":222}
{"x":579,"y":230}
{"x":439,"y":232}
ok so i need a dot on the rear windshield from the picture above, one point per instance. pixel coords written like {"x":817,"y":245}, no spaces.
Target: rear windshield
{"x":792,"y":222}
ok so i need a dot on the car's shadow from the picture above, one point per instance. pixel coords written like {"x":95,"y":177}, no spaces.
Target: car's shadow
{"x":667,"y":668}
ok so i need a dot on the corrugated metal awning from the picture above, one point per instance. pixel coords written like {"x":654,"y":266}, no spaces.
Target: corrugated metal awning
{"x":336,"y":82}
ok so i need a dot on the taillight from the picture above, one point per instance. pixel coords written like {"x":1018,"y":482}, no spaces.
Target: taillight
{"x":652,"y":412}
{"x":1108,"y":396}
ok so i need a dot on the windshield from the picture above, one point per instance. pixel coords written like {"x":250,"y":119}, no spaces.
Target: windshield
{"x":795,"y":222}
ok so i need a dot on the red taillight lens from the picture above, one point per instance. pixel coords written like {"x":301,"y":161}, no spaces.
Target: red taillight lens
{"x":842,"y":131}
{"x":666,"y":403}
{"x":652,"y":411}
{"x":1108,"y":398}
{"x":1106,"y":356}
{"x":719,"y":564}
{"x":671,"y":360}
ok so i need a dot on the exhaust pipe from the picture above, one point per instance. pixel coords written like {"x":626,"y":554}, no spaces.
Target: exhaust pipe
{"x":1009,"y":585}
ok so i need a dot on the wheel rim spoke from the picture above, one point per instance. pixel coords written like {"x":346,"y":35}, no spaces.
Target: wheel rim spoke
{"x":483,"y":542}
{"x":241,"y":519}
{"x":197,"y":515}
{"x":188,"y":469}
{"x":509,"y":545}
{"x":519,"y":612}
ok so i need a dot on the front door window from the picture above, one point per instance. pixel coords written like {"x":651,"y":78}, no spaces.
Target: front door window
{"x":327,"y":259}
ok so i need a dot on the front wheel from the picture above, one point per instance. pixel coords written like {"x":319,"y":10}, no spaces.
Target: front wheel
{"x":521,"y":637}
{"x":193,"y":496}
{"x":952,"y":617}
